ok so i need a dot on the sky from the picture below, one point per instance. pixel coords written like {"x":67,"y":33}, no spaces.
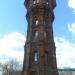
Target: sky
{"x":13,"y":30}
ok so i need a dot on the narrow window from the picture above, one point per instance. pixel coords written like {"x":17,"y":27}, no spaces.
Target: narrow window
{"x":37,"y":1}
{"x":47,"y":2}
{"x":42,"y":35}
{"x":45,"y":21}
{"x":35,"y":56}
{"x":45,"y":34}
{"x":36,"y":34}
{"x":34,"y":2}
{"x":37,"y":22}
{"x":46,"y":56}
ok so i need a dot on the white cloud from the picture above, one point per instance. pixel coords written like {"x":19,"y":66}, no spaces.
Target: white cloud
{"x":71,"y":4}
{"x":12,"y":45}
{"x":65,"y":53}
{"x":71,"y":28}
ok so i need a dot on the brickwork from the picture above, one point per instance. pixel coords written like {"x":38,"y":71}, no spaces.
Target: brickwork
{"x":40,"y":50}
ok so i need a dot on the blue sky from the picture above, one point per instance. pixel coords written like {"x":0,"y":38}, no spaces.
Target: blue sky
{"x":12,"y":17}
{"x":13,"y":27}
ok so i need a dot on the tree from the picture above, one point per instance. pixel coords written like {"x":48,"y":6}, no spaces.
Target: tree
{"x":12,"y":67}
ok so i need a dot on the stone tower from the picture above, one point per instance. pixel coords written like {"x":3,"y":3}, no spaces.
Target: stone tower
{"x":40,"y":50}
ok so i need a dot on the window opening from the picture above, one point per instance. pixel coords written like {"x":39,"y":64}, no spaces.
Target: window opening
{"x":45,"y":34}
{"x":35,"y":56}
{"x":42,"y":35}
{"x":46,"y":56}
{"x":37,"y":22}
{"x":37,"y":1}
{"x":47,"y":2}
{"x":34,"y":2}
{"x":36,"y":34}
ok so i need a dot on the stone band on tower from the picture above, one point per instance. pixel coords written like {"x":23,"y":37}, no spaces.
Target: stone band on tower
{"x":40,"y":50}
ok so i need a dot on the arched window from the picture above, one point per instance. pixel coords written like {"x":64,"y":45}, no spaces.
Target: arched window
{"x":46,"y":56}
{"x":36,"y":34}
{"x":34,"y":1}
{"x":35,"y":56}
{"x":45,"y":21}
{"x":37,"y":1}
{"x":45,"y":34}
{"x":47,"y":2}
{"x":40,"y":35}
{"x":36,"y":22}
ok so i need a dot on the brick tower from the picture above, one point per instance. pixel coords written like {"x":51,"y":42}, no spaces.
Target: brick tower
{"x":40,"y":50}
